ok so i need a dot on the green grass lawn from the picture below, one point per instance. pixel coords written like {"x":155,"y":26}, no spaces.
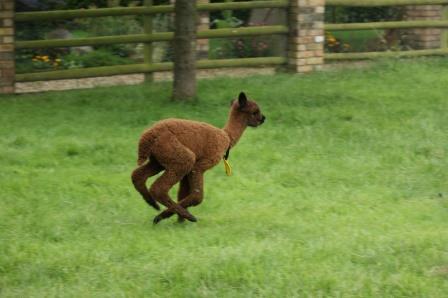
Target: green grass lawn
{"x":343,"y":192}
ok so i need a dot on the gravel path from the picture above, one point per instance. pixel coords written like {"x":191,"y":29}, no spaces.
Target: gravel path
{"x":132,"y":79}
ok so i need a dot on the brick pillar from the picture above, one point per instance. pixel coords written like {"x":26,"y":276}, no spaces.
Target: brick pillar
{"x":445,"y":31}
{"x":204,"y":24}
{"x":306,"y":37}
{"x":7,"y":64}
{"x":424,"y":38}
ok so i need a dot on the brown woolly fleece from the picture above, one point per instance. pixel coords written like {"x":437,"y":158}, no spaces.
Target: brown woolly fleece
{"x":184,"y":150}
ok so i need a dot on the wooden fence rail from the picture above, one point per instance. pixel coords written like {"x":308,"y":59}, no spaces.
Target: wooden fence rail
{"x":143,"y":68}
{"x":388,"y":54}
{"x":386,"y":25}
{"x":377,"y":3}
{"x":160,"y":36}
{"x":123,"y":11}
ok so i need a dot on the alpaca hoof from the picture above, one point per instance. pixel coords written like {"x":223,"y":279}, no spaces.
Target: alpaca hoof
{"x":157,"y":219}
{"x":191,"y":218}
{"x":187,"y":215}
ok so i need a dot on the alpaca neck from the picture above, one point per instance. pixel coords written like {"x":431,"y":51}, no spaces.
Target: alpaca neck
{"x":234,"y":128}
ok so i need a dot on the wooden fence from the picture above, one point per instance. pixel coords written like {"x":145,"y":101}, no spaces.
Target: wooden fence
{"x":388,"y":25}
{"x":148,"y":66}
{"x":147,"y":11}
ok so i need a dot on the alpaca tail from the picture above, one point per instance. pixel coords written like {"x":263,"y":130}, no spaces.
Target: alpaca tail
{"x":141,"y":159}
{"x":144,"y":148}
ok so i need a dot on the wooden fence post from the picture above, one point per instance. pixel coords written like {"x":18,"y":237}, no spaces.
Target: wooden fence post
{"x":7,"y":63}
{"x":147,"y":47}
{"x":306,"y":37}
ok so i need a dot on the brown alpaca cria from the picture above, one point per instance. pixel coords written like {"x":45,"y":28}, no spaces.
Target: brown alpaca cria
{"x":184,"y":150}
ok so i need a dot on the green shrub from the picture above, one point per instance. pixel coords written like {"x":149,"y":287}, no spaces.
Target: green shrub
{"x":361,"y":14}
{"x":242,"y":47}
{"x":29,"y":62}
{"x":107,"y":26}
{"x":93,"y":59}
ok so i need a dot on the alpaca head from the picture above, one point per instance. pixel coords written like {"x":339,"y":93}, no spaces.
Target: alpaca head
{"x":247,"y":111}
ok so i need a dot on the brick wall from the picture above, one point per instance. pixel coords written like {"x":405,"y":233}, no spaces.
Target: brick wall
{"x":306,"y":37}
{"x":424,"y":38}
{"x":7,"y":66}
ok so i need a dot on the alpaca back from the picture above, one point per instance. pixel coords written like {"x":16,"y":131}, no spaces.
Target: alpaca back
{"x":204,"y":140}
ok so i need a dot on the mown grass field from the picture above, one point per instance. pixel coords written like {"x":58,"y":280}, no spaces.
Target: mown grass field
{"x":343,"y":192}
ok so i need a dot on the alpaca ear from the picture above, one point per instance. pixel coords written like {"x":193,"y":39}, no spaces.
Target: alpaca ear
{"x":242,"y":99}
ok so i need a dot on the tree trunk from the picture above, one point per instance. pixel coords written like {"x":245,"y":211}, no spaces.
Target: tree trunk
{"x":184,"y":84}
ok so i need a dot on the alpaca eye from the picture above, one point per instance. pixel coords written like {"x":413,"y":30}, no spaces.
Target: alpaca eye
{"x":255,"y":113}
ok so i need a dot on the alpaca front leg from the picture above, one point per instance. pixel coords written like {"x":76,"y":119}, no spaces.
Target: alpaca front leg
{"x":184,"y":191}
{"x":194,"y":198}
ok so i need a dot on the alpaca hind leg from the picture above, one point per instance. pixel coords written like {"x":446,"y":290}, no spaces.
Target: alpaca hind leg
{"x":139,"y":177}
{"x":178,"y":161}
{"x":159,"y":190}
{"x":194,"y":198}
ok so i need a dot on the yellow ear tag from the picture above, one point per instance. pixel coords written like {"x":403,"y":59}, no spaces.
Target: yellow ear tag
{"x":227,"y":167}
